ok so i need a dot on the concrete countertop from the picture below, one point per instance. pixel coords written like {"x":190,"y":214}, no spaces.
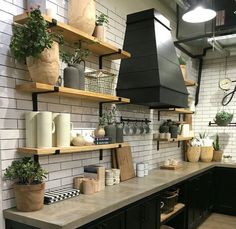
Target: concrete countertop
{"x":78,"y":211}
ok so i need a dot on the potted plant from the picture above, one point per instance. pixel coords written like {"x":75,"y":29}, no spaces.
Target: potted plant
{"x":100,"y":29}
{"x":223,"y":118}
{"x":206,"y":148}
{"x":35,"y":43}
{"x":110,"y":127}
{"x":29,"y":186}
{"x":74,"y":72}
{"x":164,"y":131}
{"x":217,"y":155}
{"x":194,"y":150}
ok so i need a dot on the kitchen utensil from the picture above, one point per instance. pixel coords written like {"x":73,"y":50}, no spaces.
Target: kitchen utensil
{"x":171,"y":167}
{"x":125,"y":163}
{"x":45,"y":128}
{"x":31,"y":129}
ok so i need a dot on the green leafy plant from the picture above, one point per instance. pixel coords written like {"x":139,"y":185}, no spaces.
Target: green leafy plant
{"x":216,"y":144}
{"x":102,"y":19}
{"x":109,"y":116}
{"x":31,"y":38}
{"x":74,"y":58}
{"x":181,"y":60}
{"x":25,"y":171}
{"x":203,"y":135}
{"x":223,"y":118}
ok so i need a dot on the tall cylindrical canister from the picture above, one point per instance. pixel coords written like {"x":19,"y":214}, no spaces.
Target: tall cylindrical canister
{"x":31,"y":129}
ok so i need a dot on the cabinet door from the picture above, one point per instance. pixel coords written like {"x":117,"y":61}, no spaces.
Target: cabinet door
{"x":116,"y":221}
{"x":15,"y":225}
{"x":143,"y":215}
{"x":225,"y":189}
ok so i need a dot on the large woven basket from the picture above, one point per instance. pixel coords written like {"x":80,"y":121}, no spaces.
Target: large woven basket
{"x":193,"y":153}
{"x":206,"y":153}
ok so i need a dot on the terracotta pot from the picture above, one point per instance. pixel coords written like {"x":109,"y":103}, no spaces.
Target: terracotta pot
{"x":29,"y":197}
{"x":217,"y":155}
{"x":82,"y":15}
{"x":100,"y":32}
{"x":206,"y":153}
{"x":193,"y":153}
{"x":45,"y":68}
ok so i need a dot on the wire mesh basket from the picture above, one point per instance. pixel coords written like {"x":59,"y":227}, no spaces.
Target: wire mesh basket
{"x":100,"y":81}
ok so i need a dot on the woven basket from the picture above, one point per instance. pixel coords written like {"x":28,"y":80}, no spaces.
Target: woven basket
{"x":193,"y":153}
{"x":206,"y":153}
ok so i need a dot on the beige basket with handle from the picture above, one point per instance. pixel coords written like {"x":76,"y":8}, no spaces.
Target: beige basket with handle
{"x":206,"y":153}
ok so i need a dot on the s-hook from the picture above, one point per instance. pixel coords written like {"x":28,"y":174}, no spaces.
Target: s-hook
{"x":226,"y":101}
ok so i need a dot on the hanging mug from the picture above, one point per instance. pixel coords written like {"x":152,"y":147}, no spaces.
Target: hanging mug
{"x":45,"y":128}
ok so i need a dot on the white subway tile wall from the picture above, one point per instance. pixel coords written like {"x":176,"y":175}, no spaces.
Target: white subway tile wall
{"x":13,"y":105}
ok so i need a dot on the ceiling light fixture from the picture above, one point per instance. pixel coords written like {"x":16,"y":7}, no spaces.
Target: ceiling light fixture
{"x":199,"y":14}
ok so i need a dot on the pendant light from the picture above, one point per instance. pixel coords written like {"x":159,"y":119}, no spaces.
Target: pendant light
{"x":198,"y":13}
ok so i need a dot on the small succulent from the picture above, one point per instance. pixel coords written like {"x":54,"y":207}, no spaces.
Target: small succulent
{"x":216,"y":144}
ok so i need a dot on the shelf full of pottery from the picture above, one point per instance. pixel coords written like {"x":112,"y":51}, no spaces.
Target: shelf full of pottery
{"x":172,"y":131}
{"x":53,"y":133}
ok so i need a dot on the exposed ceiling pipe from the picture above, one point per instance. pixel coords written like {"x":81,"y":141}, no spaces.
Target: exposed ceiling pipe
{"x":183,"y":4}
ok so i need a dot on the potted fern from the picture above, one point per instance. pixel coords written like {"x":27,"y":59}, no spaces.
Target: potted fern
{"x":217,"y":155}
{"x":100,"y":29}
{"x":223,"y":118}
{"x":29,"y":186}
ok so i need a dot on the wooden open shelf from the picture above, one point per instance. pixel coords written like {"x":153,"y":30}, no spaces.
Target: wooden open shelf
{"x":190,"y":83}
{"x":71,"y":149}
{"x":177,"y":110}
{"x":178,"y":208}
{"x":70,"y":92}
{"x":179,"y":139}
{"x":73,"y":35}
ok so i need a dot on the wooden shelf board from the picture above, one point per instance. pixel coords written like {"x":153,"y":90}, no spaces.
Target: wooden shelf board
{"x":73,"y":35}
{"x":70,"y":92}
{"x":177,"y":110}
{"x":71,"y":149}
{"x":177,"y":209}
{"x":190,"y":83}
{"x":175,"y":139}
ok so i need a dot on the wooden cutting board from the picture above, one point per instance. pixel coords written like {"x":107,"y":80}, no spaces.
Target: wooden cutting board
{"x":124,"y":162}
{"x":171,"y":167}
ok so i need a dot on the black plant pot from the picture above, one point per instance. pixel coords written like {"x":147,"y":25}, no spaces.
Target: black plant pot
{"x":110,"y":131}
{"x":174,"y":130}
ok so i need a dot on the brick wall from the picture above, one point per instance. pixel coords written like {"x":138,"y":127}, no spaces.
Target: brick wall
{"x":13,"y":104}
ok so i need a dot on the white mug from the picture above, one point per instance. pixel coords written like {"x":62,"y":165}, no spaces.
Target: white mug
{"x":45,"y":128}
{"x":31,"y":129}
{"x":54,"y":135}
{"x":63,"y":129}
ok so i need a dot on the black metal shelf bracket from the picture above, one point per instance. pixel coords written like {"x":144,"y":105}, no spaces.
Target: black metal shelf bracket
{"x":36,"y":158}
{"x":213,"y":124}
{"x":106,"y":55}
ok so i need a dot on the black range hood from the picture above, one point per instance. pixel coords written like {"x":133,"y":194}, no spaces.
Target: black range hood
{"x":152,"y":76}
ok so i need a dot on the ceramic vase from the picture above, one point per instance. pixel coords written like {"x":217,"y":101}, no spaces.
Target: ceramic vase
{"x":45,"y":128}
{"x":119,"y":133}
{"x":74,"y":76}
{"x":82,"y":15}
{"x":31,"y":129}
{"x":111,"y":132}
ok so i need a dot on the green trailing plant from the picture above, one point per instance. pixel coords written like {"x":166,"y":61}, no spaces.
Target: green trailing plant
{"x":25,"y":171}
{"x":31,"y":38}
{"x":164,"y":128}
{"x":102,"y":19}
{"x":224,"y":115}
{"x":181,"y":60}
{"x":109,"y":116}
{"x":216,"y":144}
{"x":74,"y":58}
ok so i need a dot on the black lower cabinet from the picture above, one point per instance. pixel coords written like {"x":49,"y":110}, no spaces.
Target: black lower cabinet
{"x":144,"y":214}
{"x":225,"y":190}
{"x":15,"y":225}
{"x":200,"y":199}
{"x":116,"y":221}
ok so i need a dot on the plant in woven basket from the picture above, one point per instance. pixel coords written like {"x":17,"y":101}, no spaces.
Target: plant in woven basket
{"x":223,"y":118}
{"x":35,"y":42}
{"x":31,"y":38}
{"x":29,"y":186}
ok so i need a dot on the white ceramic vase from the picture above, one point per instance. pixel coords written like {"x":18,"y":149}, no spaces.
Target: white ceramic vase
{"x":31,"y":129}
{"x":63,"y":129}
{"x":45,"y":128}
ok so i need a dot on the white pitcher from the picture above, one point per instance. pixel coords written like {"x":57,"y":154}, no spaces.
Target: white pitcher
{"x":31,"y":129}
{"x":63,"y":129}
{"x":45,"y":128}
{"x":54,"y":135}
